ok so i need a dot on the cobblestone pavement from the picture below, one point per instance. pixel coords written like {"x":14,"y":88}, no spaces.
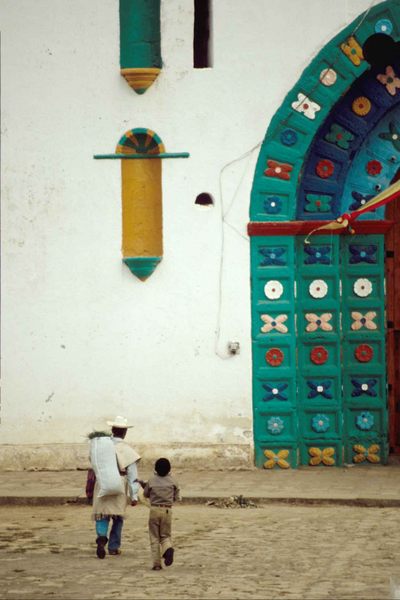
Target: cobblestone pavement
{"x":293,"y":552}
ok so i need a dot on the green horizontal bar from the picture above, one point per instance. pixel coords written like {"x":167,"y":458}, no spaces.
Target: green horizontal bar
{"x":131,"y":156}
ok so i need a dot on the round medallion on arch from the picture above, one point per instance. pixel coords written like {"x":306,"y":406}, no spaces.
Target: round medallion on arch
{"x":361,"y":106}
{"x":328,"y":77}
{"x":325,"y":168}
{"x":289,"y":137}
{"x":374,"y":167}
{"x":384,"y":26}
{"x":274,"y":357}
{"x":319,"y":355}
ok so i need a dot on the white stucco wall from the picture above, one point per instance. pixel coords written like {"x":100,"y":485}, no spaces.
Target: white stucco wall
{"x":82,"y":338}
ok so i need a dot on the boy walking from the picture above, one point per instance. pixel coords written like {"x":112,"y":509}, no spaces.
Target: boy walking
{"x":162,"y":490}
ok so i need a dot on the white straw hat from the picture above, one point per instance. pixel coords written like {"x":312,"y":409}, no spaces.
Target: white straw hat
{"x":120,"y":422}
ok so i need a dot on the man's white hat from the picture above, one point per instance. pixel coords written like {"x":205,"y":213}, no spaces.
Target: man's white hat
{"x":120,"y":422}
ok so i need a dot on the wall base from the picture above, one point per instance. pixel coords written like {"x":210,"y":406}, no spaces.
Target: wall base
{"x":66,"y":457}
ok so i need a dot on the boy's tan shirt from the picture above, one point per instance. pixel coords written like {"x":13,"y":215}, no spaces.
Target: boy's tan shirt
{"x":162,"y":490}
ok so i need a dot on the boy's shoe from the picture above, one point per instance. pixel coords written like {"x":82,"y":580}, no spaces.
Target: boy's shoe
{"x":115,"y":552}
{"x":168,"y":557}
{"x":156,"y":568}
{"x":101,"y":541}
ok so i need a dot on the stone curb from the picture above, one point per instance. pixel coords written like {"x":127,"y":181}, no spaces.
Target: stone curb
{"x":213,"y":501}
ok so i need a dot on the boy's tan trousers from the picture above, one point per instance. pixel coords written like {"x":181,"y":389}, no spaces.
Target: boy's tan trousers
{"x":160,"y":532}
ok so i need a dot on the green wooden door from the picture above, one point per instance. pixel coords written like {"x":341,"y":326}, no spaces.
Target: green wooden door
{"x":319,"y":386}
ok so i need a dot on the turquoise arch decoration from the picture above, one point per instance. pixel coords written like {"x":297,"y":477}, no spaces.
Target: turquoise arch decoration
{"x":348,"y":159}
{"x":291,"y":133}
{"x":380,"y":145}
{"x":318,"y":309}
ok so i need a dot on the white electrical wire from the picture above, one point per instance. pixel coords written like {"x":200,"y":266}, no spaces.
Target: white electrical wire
{"x":224,"y":213}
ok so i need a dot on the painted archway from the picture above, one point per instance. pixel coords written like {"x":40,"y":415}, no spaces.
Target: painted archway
{"x":318,"y":310}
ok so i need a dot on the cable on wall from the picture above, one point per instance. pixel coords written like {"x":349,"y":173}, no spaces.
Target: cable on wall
{"x":224,"y":213}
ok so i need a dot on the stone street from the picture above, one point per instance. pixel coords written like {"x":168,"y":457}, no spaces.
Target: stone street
{"x":274,"y":551}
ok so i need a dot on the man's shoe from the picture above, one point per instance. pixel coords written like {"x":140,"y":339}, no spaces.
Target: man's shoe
{"x":156,"y":568}
{"x":168,"y":557}
{"x":101,"y":541}
{"x":115,"y":552}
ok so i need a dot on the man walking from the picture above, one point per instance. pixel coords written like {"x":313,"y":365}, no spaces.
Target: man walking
{"x":112,"y":507}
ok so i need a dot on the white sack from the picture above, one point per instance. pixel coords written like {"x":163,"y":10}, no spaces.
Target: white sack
{"x":104,"y":463}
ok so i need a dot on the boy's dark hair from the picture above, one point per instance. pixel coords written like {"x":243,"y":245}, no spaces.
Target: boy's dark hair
{"x":162,"y":467}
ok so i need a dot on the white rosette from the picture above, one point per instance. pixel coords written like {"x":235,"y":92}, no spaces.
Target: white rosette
{"x":273,"y":289}
{"x":318,"y":288}
{"x":362,"y":287}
